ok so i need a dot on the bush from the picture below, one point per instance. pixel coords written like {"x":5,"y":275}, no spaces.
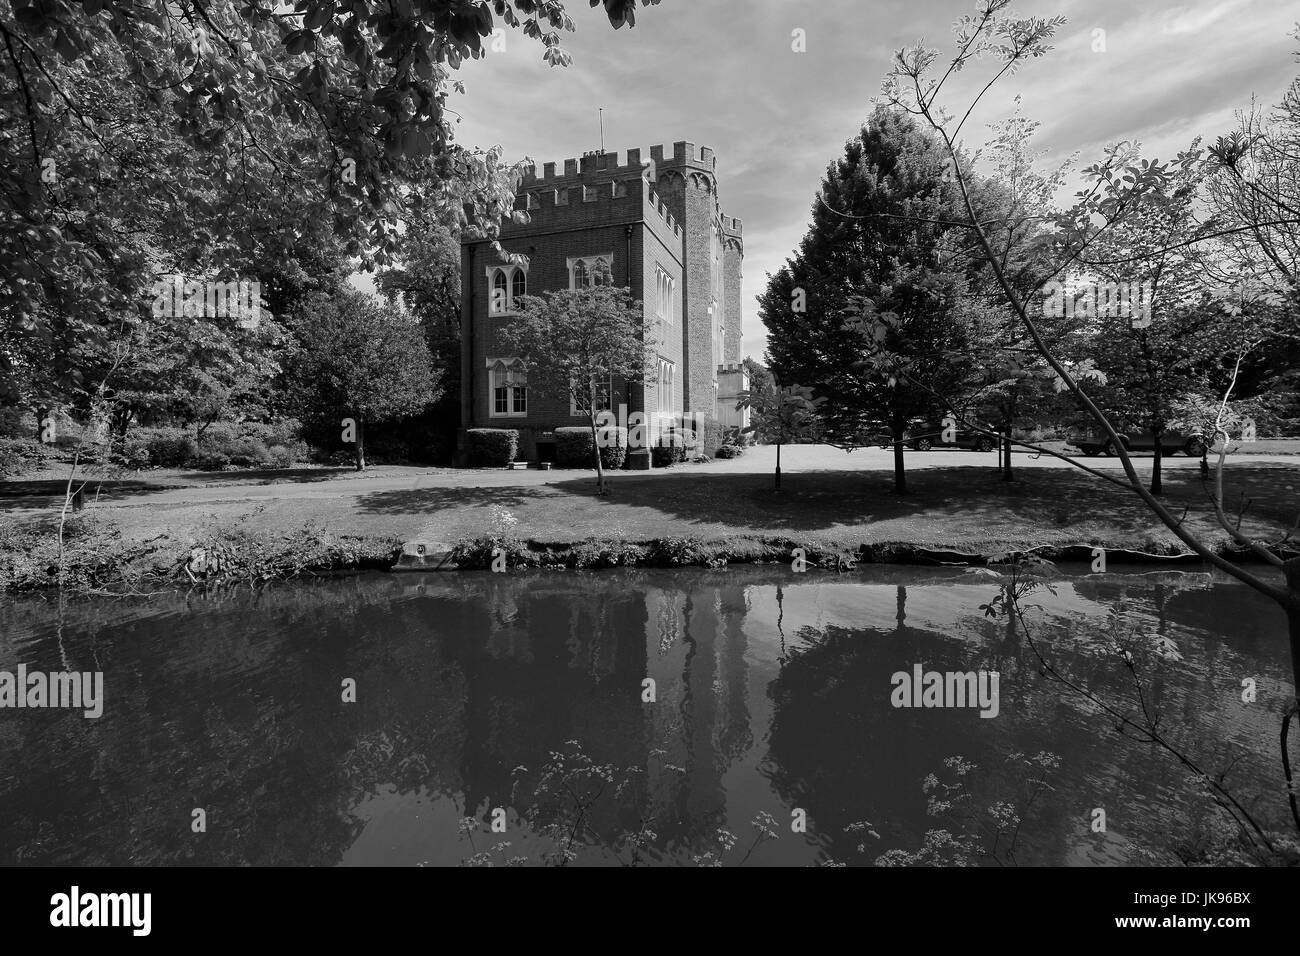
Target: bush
{"x":738,"y":437}
{"x":159,"y":448}
{"x":218,"y":437}
{"x":713,"y":437}
{"x":573,"y":447}
{"x":491,"y":447}
{"x":249,"y":452}
{"x":729,"y":451}
{"x":281,"y":457}
{"x":19,"y":455}
{"x":212,"y":461}
{"x":286,"y":432}
{"x":17,"y":423}
{"x":665,"y":456}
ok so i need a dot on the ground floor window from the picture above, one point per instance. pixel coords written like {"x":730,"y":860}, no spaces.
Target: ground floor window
{"x":508,"y":388}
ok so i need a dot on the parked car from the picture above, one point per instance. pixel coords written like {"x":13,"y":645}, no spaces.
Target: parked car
{"x":1171,"y":442}
{"x":924,"y":434}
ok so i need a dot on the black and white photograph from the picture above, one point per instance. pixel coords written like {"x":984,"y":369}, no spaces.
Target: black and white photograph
{"x":601,"y":434}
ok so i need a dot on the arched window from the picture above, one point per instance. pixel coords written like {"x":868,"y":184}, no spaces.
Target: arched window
{"x":580,"y":274}
{"x":500,"y":293}
{"x":518,"y":287}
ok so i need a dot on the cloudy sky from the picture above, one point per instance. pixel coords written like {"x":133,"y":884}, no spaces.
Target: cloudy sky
{"x":722,"y":73}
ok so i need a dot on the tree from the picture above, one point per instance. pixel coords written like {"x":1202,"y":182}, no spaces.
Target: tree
{"x":427,"y":281}
{"x":782,"y":415}
{"x":179,"y":136}
{"x":363,"y":359}
{"x":583,"y":342}
{"x":1117,"y":188}
{"x":757,"y":373}
{"x":866,"y":308}
{"x":1154,"y":350}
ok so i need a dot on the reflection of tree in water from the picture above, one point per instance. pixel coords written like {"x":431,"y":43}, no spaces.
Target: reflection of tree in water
{"x":239,"y":714}
{"x":840,"y":750}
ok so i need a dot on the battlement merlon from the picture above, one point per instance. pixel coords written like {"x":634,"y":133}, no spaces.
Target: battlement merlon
{"x":573,"y":203}
{"x":605,"y":166}
{"x":732,"y":226}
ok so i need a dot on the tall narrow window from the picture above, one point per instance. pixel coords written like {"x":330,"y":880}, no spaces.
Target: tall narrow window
{"x":579,"y":274}
{"x":518,"y":287}
{"x":500,"y":293}
{"x":667,"y":385}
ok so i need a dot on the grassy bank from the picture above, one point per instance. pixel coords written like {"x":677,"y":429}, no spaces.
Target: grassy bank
{"x":276,"y":528}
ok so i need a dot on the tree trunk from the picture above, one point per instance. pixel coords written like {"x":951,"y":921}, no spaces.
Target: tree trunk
{"x":778,"y":466}
{"x":1156,"y":487}
{"x":900,"y":476}
{"x":600,"y":467}
{"x":1005,"y":443}
{"x":122,"y":421}
{"x":361,"y":444}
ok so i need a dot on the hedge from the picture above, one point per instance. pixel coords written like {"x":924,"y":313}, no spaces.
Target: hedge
{"x":491,"y":447}
{"x":573,"y":447}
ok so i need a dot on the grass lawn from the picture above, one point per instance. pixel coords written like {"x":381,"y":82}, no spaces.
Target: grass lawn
{"x":956,"y":502}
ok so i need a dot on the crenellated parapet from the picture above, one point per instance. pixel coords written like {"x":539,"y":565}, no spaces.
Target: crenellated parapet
{"x":569,"y":200}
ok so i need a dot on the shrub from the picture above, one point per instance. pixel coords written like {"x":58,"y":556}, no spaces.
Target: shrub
{"x":212,"y":461}
{"x":218,"y":437}
{"x":248,"y":452}
{"x":729,"y":451}
{"x":665,"y":456}
{"x":159,"y":448}
{"x":491,"y":447}
{"x":738,"y":437}
{"x":281,"y":457}
{"x":286,"y":432}
{"x":573,"y":447}
{"x":713,"y":438}
{"x":18,"y":455}
{"x":17,"y":423}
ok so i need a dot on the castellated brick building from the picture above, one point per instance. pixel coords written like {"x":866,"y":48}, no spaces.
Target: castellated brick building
{"x":658,"y":226}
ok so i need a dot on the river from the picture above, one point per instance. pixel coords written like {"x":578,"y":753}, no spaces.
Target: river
{"x":647,"y":716}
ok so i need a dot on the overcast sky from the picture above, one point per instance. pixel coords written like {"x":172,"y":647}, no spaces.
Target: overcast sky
{"x":722,"y":73}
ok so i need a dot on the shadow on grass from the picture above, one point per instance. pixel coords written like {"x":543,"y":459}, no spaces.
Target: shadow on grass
{"x":429,"y":500}
{"x":970,"y":497}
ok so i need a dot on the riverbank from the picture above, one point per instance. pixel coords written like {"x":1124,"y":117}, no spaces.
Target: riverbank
{"x":958,"y":509}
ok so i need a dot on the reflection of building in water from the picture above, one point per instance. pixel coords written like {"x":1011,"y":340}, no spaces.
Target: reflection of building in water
{"x":701,"y":720}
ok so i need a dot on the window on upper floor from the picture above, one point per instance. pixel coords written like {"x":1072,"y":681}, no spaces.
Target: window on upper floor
{"x":587,"y":271}
{"x":506,"y":285}
{"x":666,"y":295}
{"x":507,"y":388}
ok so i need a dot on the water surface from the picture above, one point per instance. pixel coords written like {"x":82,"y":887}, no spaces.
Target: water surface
{"x":772,"y":693}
